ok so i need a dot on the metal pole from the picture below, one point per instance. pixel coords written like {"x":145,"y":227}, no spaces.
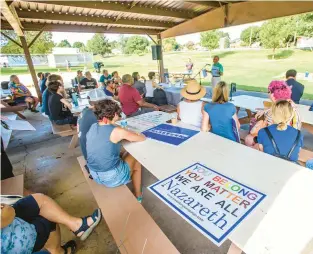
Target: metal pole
{"x":161,"y":65}
{"x":31,"y":66}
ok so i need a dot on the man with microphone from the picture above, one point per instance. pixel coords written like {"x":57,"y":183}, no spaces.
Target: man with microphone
{"x":217,"y":71}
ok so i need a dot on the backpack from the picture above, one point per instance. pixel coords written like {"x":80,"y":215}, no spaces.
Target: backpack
{"x":159,"y":97}
{"x":276,"y":150}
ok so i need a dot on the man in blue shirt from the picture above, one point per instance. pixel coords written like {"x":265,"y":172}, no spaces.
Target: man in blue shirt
{"x":105,"y":77}
{"x":296,"y":87}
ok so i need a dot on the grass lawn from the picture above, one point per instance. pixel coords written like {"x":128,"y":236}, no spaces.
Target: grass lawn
{"x":250,"y":70}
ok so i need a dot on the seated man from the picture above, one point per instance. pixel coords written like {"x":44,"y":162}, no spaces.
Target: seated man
{"x":296,"y":87}
{"x":88,"y":82}
{"x":31,"y":225}
{"x":59,"y":107}
{"x":105,"y":77}
{"x":132,"y":103}
{"x":140,"y":86}
{"x":21,"y":94}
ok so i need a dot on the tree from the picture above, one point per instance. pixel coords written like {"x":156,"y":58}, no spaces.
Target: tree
{"x":64,"y":44}
{"x":80,"y":45}
{"x":170,"y":44}
{"x":274,"y":33}
{"x":250,"y":35}
{"x":99,"y":44}
{"x":43,"y":44}
{"x":190,"y":45}
{"x":136,"y":45}
{"x":209,"y":40}
{"x":122,"y":41}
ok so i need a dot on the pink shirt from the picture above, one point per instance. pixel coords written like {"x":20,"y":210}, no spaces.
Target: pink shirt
{"x":129,"y":96}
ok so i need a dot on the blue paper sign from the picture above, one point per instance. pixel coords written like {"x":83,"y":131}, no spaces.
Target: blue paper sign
{"x":170,"y":134}
{"x":211,"y":202}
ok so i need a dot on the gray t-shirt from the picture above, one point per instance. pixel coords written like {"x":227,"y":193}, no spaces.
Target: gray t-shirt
{"x":141,"y":87}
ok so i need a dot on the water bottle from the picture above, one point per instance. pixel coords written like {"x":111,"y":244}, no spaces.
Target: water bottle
{"x":74,"y":99}
{"x":123,"y":121}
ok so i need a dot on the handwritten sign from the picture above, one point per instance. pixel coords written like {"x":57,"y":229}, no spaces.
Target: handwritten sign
{"x":170,"y":134}
{"x":212,"y":203}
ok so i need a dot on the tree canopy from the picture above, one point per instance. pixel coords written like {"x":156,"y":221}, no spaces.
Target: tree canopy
{"x":254,"y":32}
{"x":80,"y":45}
{"x":99,"y":44}
{"x":64,"y":44}
{"x":209,"y":40}
{"x":170,"y":44}
{"x":136,"y":45}
{"x":43,"y":44}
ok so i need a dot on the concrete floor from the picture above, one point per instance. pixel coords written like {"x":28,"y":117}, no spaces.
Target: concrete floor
{"x":51,"y":168}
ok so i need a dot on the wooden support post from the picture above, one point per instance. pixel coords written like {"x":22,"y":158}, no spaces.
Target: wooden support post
{"x":161,"y":65}
{"x":30,"y":66}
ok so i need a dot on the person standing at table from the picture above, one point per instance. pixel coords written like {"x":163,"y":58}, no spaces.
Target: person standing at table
{"x":88,"y":82}
{"x":132,"y":103}
{"x":190,"y":109}
{"x":189,"y":66}
{"x":104,"y":77}
{"x":103,"y":148}
{"x":219,"y":115}
{"x":296,"y":87}
{"x":216,"y":71}
{"x":280,"y":139}
{"x":59,"y":107}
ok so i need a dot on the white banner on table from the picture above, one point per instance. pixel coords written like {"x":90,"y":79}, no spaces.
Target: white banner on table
{"x":212,"y":203}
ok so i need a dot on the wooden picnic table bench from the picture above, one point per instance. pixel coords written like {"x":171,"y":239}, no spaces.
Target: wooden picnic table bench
{"x":132,"y":228}
{"x":5,"y":107}
{"x":64,"y":131}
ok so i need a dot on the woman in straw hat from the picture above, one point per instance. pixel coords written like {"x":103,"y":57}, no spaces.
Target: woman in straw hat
{"x":190,"y":109}
{"x":219,"y":116}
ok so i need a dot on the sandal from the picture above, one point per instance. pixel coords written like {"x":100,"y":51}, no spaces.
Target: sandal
{"x":70,"y":244}
{"x":96,"y":217}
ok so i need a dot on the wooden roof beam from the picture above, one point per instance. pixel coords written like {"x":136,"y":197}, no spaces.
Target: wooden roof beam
{"x":79,"y":28}
{"x":9,"y":16}
{"x":116,"y":6}
{"x":238,"y":13}
{"x":213,"y":4}
{"x":90,"y":19}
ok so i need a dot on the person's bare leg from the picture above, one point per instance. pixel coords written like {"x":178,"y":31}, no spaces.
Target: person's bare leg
{"x":53,"y":245}
{"x":36,"y":101}
{"x":135,"y":168}
{"x":50,"y":210}
{"x":249,"y":140}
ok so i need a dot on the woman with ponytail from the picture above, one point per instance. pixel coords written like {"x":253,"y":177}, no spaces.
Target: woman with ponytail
{"x":280,"y":139}
{"x":59,"y":107}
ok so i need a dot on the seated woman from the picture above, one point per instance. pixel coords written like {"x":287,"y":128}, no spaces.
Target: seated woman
{"x":190,"y":109}
{"x":111,"y":90}
{"x":31,"y":225}
{"x":22,"y":95}
{"x":103,"y":146}
{"x":280,"y":139}
{"x":59,"y":107}
{"x":151,"y":85}
{"x":277,"y":90}
{"x":140,"y":86}
{"x":88,"y":82}
{"x":116,"y":78}
{"x":219,"y":115}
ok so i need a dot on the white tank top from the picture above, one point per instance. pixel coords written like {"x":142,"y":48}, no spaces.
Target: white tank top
{"x":191,"y":112}
{"x":149,"y":88}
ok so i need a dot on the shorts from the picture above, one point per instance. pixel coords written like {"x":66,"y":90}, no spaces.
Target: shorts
{"x":67,"y":120}
{"x":28,"y":210}
{"x":118,"y":176}
{"x":22,"y":99}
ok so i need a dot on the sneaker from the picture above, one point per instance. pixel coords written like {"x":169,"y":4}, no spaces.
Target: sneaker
{"x":139,"y":199}
{"x":34,"y":110}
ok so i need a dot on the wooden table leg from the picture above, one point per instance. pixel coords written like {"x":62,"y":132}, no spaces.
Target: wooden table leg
{"x":233,"y":249}
{"x":308,"y":127}
{"x":20,"y":115}
{"x":74,"y":142}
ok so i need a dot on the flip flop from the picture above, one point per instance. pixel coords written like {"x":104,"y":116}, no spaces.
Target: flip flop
{"x":96,"y":217}
{"x":70,"y":244}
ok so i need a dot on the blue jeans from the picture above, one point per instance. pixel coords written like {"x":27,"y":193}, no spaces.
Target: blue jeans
{"x":67,"y":120}
{"x":309,"y":164}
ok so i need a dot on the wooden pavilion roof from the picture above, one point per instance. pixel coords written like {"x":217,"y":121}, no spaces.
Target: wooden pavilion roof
{"x":168,"y":18}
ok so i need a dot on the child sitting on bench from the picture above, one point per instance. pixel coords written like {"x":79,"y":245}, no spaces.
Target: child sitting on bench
{"x":104,"y":148}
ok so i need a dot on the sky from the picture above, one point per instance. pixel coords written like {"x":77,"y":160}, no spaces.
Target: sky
{"x":234,"y":33}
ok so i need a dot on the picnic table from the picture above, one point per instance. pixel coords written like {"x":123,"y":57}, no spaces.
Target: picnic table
{"x":253,"y":103}
{"x":288,"y":188}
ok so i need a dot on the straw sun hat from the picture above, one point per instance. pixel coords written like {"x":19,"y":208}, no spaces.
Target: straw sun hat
{"x":193,"y":91}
